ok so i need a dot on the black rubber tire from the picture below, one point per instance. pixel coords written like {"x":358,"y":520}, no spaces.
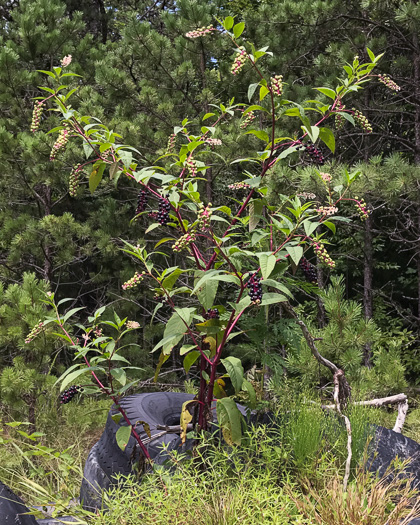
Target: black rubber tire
{"x":156,"y":408}
{"x":106,"y":459}
{"x":94,"y":482}
{"x":58,"y":521}
{"x":12,"y":508}
{"x":389,"y":444}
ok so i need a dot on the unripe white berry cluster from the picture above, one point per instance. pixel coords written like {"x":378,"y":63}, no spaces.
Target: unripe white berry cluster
{"x":339,"y":119}
{"x":362,"y":121}
{"x":362,"y":208}
{"x":36,"y":330}
{"x":239,"y":61}
{"x":36,"y":115}
{"x":214,"y":142}
{"x":183,"y":242}
{"x":327,"y":210}
{"x":389,"y":83}
{"x":277,"y":85}
{"x":60,"y":143}
{"x":201,"y":31}
{"x":322,"y":254}
{"x":134,"y":281}
{"x":250,"y":116}
{"x":192,"y":167}
{"x":204,"y":216}
{"x":171,"y":143}
{"x":239,"y":185}
{"x":74,"y":179}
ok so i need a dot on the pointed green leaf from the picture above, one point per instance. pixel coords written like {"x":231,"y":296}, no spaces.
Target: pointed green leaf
{"x":235,"y":371}
{"x":295,"y":253}
{"x":228,"y":23}
{"x":229,"y":419}
{"x":122,"y":436}
{"x":238,"y":29}
{"x":190,"y":359}
{"x":120,"y":375}
{"x":267,"y":264}
{"x":327,"y":137}
{"x":327,"y":92}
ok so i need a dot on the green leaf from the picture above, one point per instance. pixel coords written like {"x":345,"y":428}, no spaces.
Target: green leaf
{"x":216,"y":275}
{"x":116,"y":418}
{"x":267,"y":264}
{"x":228,"y":23}
{"x":264,"y":91}
{"x":277,"y":286}
{"x":235,"y":371}
{"x":327,"y":91}
{"x":272,"y":298}
{"x":238,"y":29}
{"x":255,"y":211}
{"x":87,"y":148}
{"x":71,"y":377}
{"x":249,"y":389}
{"x":259,"y":133}
{"x":371,"y":55}
{"x":251,"y":90}
{"x":113,"y":170}
{"x":208,"y":115}
{"x":120,"y":375}
{"x":186,"y":348}
{"x":327,"y":137}
{"x":347,"y":116}
{"x":122,"y":436}
{"x":71,"y":313}
{"x":310,"y":226}
{"x":170,"y":280}
{"x":176,"y":328}
{"x":96,"y":176}
{"x":295,"y":253}
{"x":330,"y":225}
{"x":162,"y":359}
{"x":229,"y":419}
{"x":126,"y":157}
{"x":190,"y":359}
{"x":207,"y":293}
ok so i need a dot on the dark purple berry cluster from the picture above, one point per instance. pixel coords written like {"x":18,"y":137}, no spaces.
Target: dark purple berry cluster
{"x":255,"y":288}
{"x":163,"y":213}
{"x":314,"y":154}
{"x":309,"y":270}
{"x":69,"y":394}
{"x":212,"y":313}
{"x":142,"y":199}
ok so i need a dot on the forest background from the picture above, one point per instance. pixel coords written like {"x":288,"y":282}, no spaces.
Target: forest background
{"x":142,"y":76}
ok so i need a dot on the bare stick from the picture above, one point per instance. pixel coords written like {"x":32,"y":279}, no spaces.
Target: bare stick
{"x":399,"y":399}
{"x":402,"y":412}
{"x":337,"y":397}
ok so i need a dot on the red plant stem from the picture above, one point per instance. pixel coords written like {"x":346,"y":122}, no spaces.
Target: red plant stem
{"x":106,"y":391}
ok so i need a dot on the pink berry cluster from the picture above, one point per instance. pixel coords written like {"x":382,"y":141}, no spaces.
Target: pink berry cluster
{"x":214,"y":142}
{"x":66,"y":61}
{"x":74,"y":179}
{"x":362,"y":208}
{"x":192,"y":167}
{"x":250,"y":116}
{"x":183,"y":242}
{"x":36,"y":115}
{"x":277,"y":85}
{"x":60,"y":143}
{"x":204,"y":216}
{"x":239,"y":185}
{"x":322,"y":254}
{"x":326,"y":177}
{"x":132,"y":325}
{"x":362,"y":121}
{"x":384,"y":79}
{"x":339,"y":119}
{"x":36,"y":330}
{"x":171,"y":143}
{"x":327,"y":210}
{"x":134,"y":281}
{"x":307,"y":195}
{"x":239,"y":61}
{"x":201,"y":31}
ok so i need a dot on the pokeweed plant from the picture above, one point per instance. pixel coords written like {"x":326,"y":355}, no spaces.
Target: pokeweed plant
{"x":243,"y":252}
